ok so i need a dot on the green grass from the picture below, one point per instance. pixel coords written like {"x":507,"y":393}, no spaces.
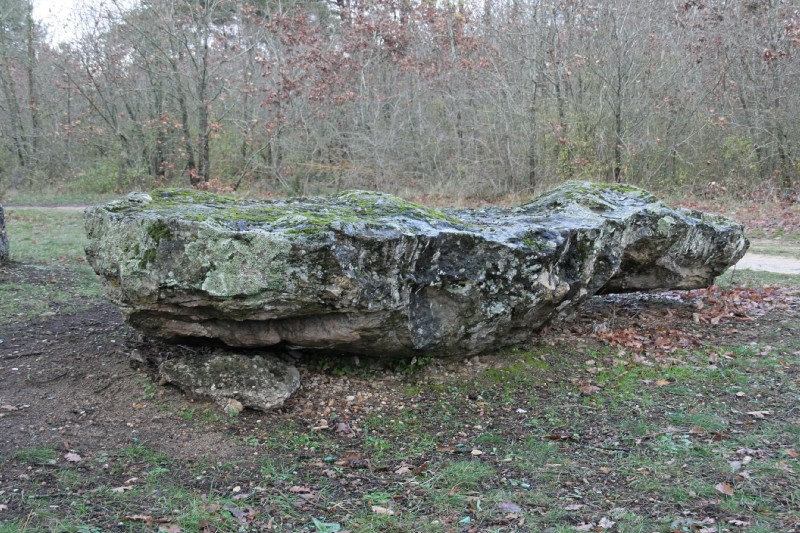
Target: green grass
{"x":778,"y":247}
{"x":465,"y":475}
{"x":55,"y":198}
{"x":755,"y":278}
{"x":44,"y":236}
{"x":35,"y":456}
{"x":51,"y":243}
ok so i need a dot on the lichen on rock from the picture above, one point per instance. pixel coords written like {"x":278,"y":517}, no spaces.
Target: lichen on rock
{"x":259,"y":382}
{"x":372,"y":274}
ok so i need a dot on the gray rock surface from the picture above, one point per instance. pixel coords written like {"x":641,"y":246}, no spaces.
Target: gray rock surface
{"x":3,"y":237}
{"x":233,"y":380}
{"x":368,"y":273}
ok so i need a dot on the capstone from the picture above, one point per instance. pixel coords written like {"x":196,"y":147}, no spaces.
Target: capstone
{"x":371,"y":274}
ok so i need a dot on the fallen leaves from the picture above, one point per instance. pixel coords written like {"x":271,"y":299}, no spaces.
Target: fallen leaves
{"x":602,"y":525}
{"x":587,"y":390}
{"x":712,"y":306}
{"x":73,"y":457}
{"x":128,"y":485}
{"x":724,"y":488}
{"x":509,"y":507}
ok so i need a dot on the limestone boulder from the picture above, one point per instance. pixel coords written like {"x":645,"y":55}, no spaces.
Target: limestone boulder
{"x":368,"y":273}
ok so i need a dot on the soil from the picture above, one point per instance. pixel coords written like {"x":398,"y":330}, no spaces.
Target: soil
{"x":770,"y":263}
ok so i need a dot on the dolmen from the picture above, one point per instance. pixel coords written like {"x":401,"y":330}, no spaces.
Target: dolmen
{"x":371,"y":274}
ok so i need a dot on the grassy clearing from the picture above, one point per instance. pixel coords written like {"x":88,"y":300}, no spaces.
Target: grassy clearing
{"x":755,"y":278}
{"x":51,"y":243}
{"x":46,"y":236}
{"x":55,"y":198}
{"x":788,"y":246}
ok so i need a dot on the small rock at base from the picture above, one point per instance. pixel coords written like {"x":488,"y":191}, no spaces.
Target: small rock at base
{"x":234,"y":381}
{"x":233,"y":407}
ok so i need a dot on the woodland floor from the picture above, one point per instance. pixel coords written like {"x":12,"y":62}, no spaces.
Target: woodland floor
{"x":645,"y":412}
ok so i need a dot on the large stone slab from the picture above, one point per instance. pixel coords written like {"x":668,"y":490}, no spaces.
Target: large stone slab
{"x":3,"y":237}
{"x":368,"y":273}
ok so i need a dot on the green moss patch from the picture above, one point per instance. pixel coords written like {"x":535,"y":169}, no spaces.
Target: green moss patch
{"x":299,"y":216}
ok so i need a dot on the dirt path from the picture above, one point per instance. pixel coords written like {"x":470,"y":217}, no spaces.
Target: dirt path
{"x":770,"y":263}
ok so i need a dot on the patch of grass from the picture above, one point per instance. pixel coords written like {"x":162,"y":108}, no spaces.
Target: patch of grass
{"x":705,"y":421}
{"x":786,"y":246}
{"x":464,"y":475}
{"x":14,"y":197}
{"x":144,"y":454}
{"x":35,"y":456}
{"x":755,"y":278}
{"x":45,"y":236}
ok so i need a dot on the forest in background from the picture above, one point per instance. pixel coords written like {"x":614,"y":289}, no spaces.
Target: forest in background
{"x":446,"y":98}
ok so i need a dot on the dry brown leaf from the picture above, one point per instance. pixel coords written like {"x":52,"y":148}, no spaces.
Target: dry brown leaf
{"x":139,"y":518}
{"x":605,"y":523}
{"x":662,"y":382}
{"x":759,"y":414}
{"x":561,"y":436}
{"x":724,"y":488}
{"x":509,"y":507}
{"x":120,"y":490}
{"x":421,"y":468}
{"x":792,"y":453}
